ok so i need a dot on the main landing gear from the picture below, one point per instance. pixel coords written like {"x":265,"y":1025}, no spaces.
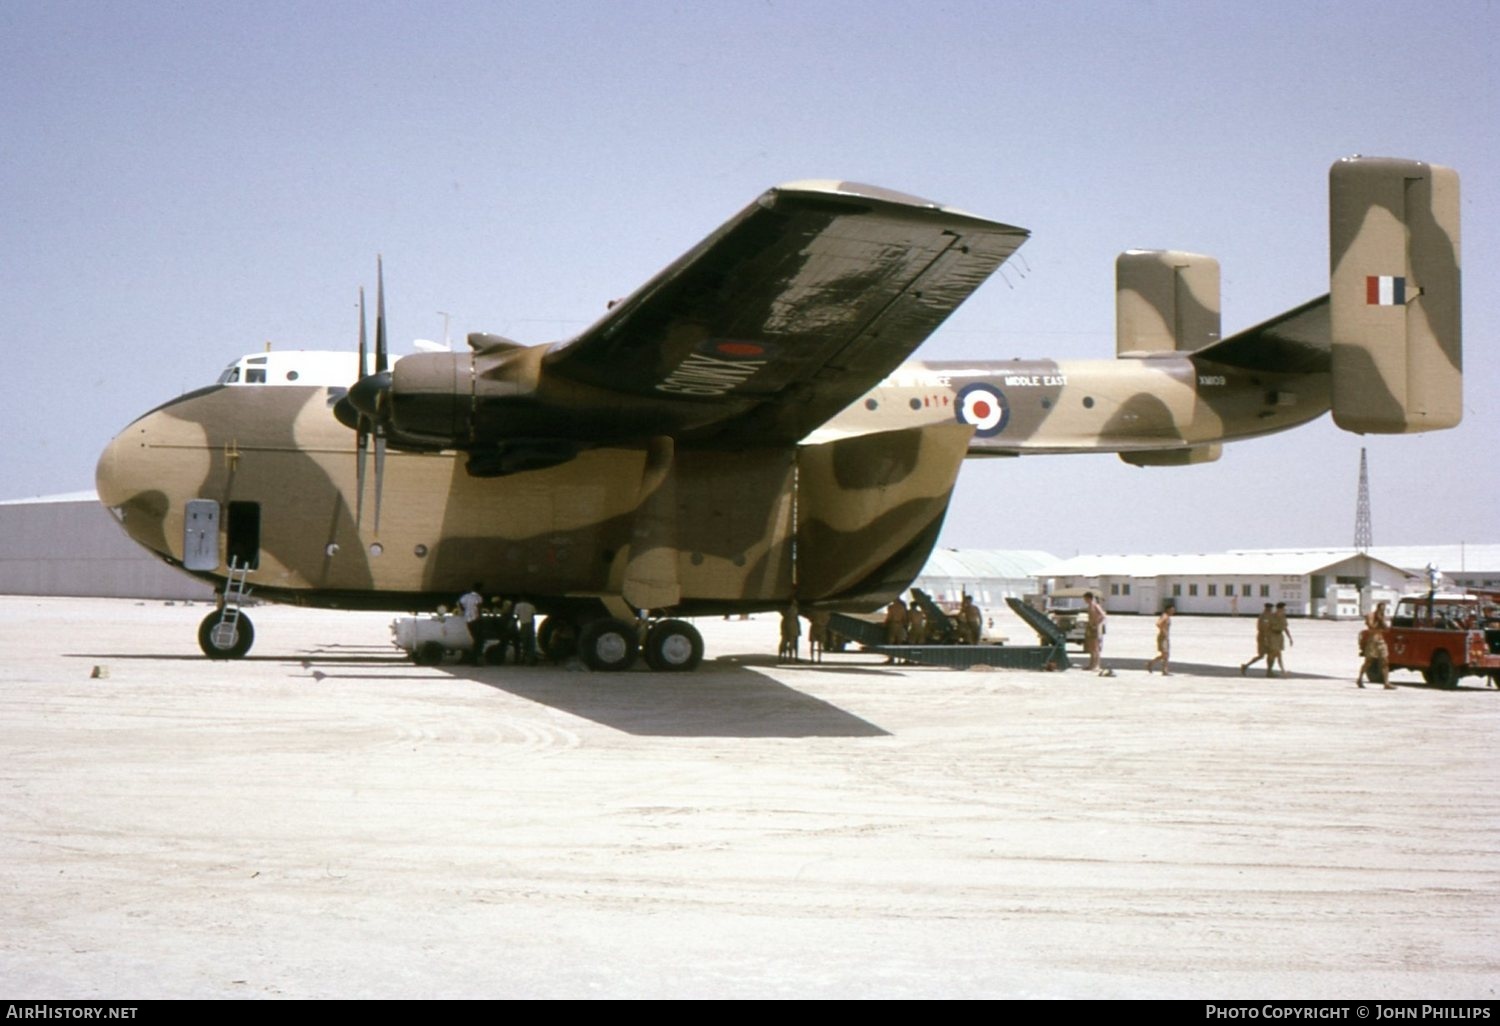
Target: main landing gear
{"x":610,"y":644}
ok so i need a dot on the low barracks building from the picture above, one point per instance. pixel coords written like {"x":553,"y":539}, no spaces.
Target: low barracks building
{"x":1334,"y":583}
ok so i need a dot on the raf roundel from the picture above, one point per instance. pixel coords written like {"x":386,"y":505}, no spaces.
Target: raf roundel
{"x":984,"y":407}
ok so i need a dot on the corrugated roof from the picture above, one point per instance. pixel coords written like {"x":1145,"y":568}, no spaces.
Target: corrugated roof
{"x":986,"y":564}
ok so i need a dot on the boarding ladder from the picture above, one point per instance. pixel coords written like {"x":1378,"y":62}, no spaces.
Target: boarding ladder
{"x":227,"y":630}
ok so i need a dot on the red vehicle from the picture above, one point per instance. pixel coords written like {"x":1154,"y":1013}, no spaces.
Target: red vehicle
{"x":1447,"y":636}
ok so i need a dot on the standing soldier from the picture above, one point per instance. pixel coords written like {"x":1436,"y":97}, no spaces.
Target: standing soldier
{"x":970,"y":621}
{"x":1262,"y":631}
{"x":1163,"y":641}
{"x":791,"y":634}
{"x":916,"y":623}
{"x":524,"y":614}
{"x":1093,"y":633}
{"x":895,"y":625}
{"x":470,"y":603}
{"x":1375,"y":650}
{"x":817,"y":633}
{"x":1278,"y":634}
{"x":896,"y":620}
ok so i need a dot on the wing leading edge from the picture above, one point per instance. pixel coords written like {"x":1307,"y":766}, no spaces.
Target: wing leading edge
{"x":790,"y":311}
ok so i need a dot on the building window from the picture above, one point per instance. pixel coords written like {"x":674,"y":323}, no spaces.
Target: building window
{"x":1125,"y":589}
{"x":1213,"y":591}
{"x":1192,"y":589}
{"x":1177,"y":591}
{"x":1265,"y":591}
{"x":1245,"y":590}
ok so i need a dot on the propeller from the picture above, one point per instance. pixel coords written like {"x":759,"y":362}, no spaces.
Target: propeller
{"x":365,"y":404}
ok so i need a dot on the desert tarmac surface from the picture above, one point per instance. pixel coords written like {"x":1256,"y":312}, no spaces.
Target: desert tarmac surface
{"x":326,"y":819}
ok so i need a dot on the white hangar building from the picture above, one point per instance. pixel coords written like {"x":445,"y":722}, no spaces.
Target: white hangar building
{"x":1335,"y":583}
{"x":71,"y":545}
{"x":989,"y":575}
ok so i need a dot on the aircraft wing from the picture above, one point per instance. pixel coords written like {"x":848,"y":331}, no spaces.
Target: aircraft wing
{"x":789,"y":312}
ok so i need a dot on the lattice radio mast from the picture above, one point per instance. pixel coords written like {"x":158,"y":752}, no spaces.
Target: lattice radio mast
{"x":1362,"y":532}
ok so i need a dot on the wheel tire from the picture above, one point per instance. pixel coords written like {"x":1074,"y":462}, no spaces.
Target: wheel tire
{"x":607,"y":645}
{"x":673,"y":646}
{"x":429,"y":653}
{"x":244,"y":637}
{"x":556,"y":639}
{"x":1442,"y":673}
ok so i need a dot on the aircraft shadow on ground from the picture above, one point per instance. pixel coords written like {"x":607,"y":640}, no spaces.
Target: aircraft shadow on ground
{"x":719,"y":699}
{"x":724,"y":697}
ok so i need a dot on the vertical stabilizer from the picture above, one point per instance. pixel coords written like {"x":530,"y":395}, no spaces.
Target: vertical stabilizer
{"x":1394,"y":268}
{"x":1165,"y":301}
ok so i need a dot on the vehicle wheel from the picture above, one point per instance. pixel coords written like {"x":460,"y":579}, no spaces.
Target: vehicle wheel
{"x":429,"y":653}
{"x":607,"y":644}
{"x":1442,"y":674}
{"x":215,"y":646}
{"x":556,"y":639}
{"x":673,"y":646}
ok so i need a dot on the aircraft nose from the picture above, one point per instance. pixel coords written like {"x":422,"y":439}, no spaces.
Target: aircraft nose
{"x":128,"y":487}
{"x":116,"y":473}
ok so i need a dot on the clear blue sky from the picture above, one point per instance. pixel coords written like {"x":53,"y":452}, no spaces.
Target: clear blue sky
{"x":180,"y":183}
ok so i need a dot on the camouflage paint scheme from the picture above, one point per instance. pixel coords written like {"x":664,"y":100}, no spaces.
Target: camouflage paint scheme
{"x":742,"y":431}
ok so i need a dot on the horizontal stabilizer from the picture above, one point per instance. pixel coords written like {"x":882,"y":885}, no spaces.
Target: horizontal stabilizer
{"x":1394,"y":267}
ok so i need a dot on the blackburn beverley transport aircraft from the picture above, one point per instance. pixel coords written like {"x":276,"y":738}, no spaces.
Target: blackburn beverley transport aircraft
{"x":746,"y":429}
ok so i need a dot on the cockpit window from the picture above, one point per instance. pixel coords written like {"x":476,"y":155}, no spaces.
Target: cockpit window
{"x":255,"y":375}
{"x":231,"y":374}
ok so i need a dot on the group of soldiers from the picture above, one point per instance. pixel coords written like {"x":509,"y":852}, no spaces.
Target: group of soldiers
{"x":1272,"y":635}
{"x":909,"y":624}
{"x":510,"y":625}
{"x":905,"y":624}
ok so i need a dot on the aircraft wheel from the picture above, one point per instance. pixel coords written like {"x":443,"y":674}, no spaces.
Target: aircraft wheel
{"x":239,"y":642}
{"x":1441,"y":674}
{"x":607,"y":644}
{"x":556,"y":639}
{"x":673,"y":646}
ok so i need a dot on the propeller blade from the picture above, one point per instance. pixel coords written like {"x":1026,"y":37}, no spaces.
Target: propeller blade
{"x":362,"y":434}
{"x":359,"y":474}
{"x":381,"y":371}
{"x":361,"y":373}
{"x":379,"y":472}
{"x":380,"y":362}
